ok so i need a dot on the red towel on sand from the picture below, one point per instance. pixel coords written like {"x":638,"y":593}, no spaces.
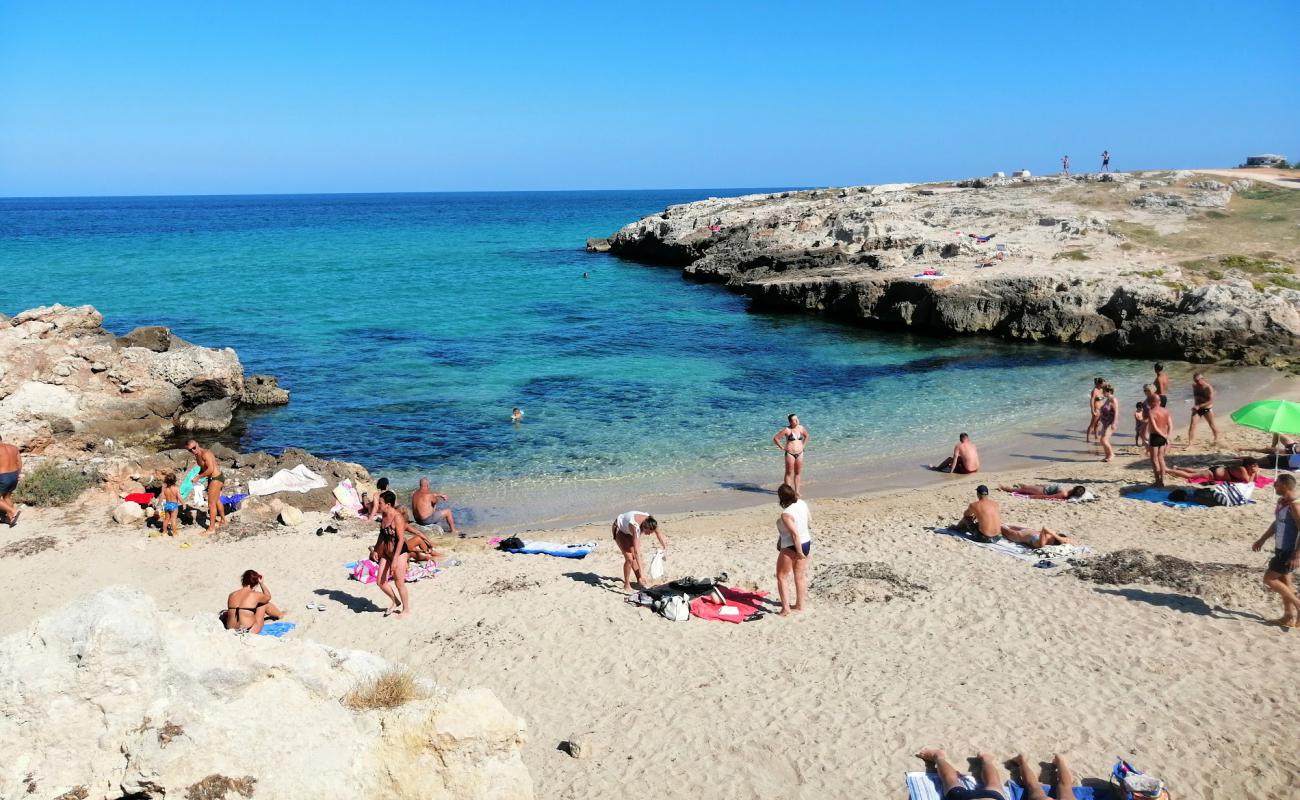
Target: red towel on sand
{"x":746,"y":603}
{"x":143,"y":498}
{"x":1260,"y":481}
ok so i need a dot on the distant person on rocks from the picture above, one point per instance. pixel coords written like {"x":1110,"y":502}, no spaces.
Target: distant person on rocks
{"x":370,"y":502}
{"x":11,"y":466}
{"x":1140,"y":425}
{"x":792,"y":440}
{"x":1105,"y":161}
{"x":208,"y":468}
{"x":1202,"y":406}
{"x":516,"y":415}
{"x":793,"y":546}
{"x":1107,"y":414}
{"x":628,"y":529}
{"x":965,"y":459}
{"x":171,"y":505}
{"x":1285,"y":532}
{"x":1065,"y":166}
{"x":1244,"y":472}
{"x":249,"y":607}
{"x":394,"y":554}
{"x":1160,"y":427}
{"x":1050,"y":491}
{"x":1094,"y":408}
{"x":982,"y":519}
{"x":424,"y":503}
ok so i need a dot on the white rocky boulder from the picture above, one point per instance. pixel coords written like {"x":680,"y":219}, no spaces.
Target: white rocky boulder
{"x":127,"y":513}
{"x":111,"y":698}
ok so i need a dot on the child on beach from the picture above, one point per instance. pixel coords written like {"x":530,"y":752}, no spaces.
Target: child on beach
{"x":171,"y":497}
{"x":1140,"y":425}
{"x":1286,"y":550}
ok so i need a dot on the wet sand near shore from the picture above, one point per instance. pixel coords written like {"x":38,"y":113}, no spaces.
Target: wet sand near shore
{"x":911,"y":638}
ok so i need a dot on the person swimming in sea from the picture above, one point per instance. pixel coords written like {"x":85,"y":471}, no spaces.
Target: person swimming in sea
{"x":516,"y":415}
{"x":792,"y":440}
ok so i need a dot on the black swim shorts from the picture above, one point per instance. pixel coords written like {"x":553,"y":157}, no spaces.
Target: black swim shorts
{"x":1164,"y":401}
{"x":982,"y":793}
{"x":1281,"y":562}
{"x":1157,"y":440}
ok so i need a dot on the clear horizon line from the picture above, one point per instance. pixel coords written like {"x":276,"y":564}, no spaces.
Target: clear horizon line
{"x":421,"y":191}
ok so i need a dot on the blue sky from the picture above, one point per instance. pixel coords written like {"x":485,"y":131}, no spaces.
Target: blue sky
{"x":287,"y":96}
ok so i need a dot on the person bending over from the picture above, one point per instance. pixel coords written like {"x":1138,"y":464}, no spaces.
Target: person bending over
{"x":965,"y":459}
{"x":1050,"y":491}
{"x":627,"y":530}
{"x":982,"y":520}
{"x":249,"y":607}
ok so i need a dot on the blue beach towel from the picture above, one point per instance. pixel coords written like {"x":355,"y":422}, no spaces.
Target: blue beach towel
{"x":232,"y":499}
{"x":553,"y":549}
{"x":277,"y":629}
{"x":1015,"y":791}
{"x":1161,"y":496}
{"x":926,"y":786}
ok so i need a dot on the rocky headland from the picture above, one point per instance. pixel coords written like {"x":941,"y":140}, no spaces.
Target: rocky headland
{"x":1170,"y":264}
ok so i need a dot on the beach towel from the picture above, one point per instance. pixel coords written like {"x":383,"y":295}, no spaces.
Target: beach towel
{"x":1015,"y":791}
{"x":928,"y":276}
{"x":1155,"y":494}
{"x":299,"y":479}
{"x":1261,"y":482}
{"x":367,"y":571}
{"x":1061,"y":551}
{"x":233,"y":499}
{"x":276,"y":629}
{"x":926,"y":786}
{"x":553,"y":549}
{"x":143,"y":498}
{"x":348,"y":499}
{"x":740,"y":605}
{"x":187,"y":483}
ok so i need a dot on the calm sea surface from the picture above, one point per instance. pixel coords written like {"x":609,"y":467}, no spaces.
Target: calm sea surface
{"x":408,"y":326}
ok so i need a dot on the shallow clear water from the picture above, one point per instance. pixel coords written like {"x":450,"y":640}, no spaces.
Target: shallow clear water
{"x":408,"y":326}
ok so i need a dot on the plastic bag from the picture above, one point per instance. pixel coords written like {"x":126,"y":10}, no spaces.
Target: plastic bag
{"x":657,"y":565}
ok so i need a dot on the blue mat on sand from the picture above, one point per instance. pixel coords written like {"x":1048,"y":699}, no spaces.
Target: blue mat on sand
{"x":1161,"y":496}
{"x":277,"y":629}
{"x":1080,"y":792}
{"x":566,"y":552}
{"x":926,"y":786}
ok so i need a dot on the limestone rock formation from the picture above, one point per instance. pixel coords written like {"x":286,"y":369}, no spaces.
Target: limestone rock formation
{"x":263,"y":390}
{"x":111,"y":699}
{"x":1066,"y":272}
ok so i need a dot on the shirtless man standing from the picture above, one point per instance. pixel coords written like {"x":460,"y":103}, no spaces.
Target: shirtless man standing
{"x":208,"y":468}
{"x":1162,"y":385}
{"x":965,"y":459}
{"x":423,"y":503}
{"x":1160,"y":426}
{"x":11,"y":464}
{"x":982,"y":520}
{"x":1202,"y":406}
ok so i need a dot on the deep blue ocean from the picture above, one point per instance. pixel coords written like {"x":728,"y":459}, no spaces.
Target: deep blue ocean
{"x":407,"y":326}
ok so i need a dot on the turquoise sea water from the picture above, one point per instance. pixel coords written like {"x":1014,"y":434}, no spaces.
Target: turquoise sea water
{"x":408,"y":326}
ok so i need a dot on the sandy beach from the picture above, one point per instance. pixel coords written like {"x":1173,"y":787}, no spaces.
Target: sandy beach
{"x":912,"y":638}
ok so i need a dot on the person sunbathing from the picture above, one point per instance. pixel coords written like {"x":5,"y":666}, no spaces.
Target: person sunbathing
{"x":420,"y":547}
{"x":249,"y":607}
{"x":990,"y":781}
{"x":1034,"y":539}
{"x":1244,"y":472}
{"x":1050,"y":491}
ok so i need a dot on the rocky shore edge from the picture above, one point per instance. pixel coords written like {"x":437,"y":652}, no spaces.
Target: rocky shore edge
{"x":1068,"y":272}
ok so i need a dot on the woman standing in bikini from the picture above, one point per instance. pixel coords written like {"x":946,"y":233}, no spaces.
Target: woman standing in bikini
{"x":792,"y":440}
{"x":1107,"y":413}
{"x":393,"y":554}
{"x":1094,"y":408}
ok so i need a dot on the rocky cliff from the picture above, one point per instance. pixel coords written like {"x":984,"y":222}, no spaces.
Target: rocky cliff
{"x":112,"y":699}
{"x":1109,"y":261}
{"x":64,"y":377}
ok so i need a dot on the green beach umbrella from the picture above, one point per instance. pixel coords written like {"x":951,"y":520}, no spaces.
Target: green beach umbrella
{"x":1271,"y":416}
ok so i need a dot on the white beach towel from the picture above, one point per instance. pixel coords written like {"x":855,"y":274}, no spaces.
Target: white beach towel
{"x":1019,"y":550}
{"x":299,"y":479}
{"x":348,"y":499}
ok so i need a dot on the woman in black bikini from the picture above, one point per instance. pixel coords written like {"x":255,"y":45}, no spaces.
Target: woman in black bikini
{"x":393,"y":554}
{"x":249,"y":607}
{"x":792,"y":439}
{"x":1245,"y":472}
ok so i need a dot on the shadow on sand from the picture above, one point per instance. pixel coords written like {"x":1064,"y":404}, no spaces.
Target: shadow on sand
{"x":358,"y":605}
{"x":740,"y":486}
{"x":1180,"y":602}
{"x":609,"y":584}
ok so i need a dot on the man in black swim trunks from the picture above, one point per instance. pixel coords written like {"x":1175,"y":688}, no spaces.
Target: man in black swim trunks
{"x":982,"y":518}
{"x":11,"y":465}
{"x":1160,"y":426}
{"x":1162,"y":385}
{"x":1202,"y":406}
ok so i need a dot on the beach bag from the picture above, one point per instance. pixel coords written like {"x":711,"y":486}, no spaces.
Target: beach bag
{"x":512,"y":543}
{"x":366,"y":571}
{"x":674,"y":607}
{"x":657,"y":565}
{"x":1133,"y":784}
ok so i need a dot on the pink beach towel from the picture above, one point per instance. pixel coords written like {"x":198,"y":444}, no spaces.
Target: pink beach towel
{"x":744,"y":603}
{"x":1261,"y":482}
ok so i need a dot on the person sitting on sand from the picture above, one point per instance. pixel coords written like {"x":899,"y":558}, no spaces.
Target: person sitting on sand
{"x":1034,"y":538}
{"x":393,"y":553}
{"x":1244,"y":472}
{"x":990,"y":781}
{"x":627,"y":529}
{"x":1049,"y":491}
{"x":1285,"y":532}
{"x":420,"y":547}
{"x":249,"y":607}
{"x":171,"y":505}
{"x":793,"y":545}
{"x":424,"y":502}
{"x":208,"y":468}
{"x":965,"y":459}
{"x":370,"y":502}
{"x":982,"y":520}
{"x":11,"y":466}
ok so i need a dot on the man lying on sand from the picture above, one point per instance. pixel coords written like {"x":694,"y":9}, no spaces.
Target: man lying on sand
{"x":1034,"y":539}
{"x":991,"y":781}
{"x":1050,"y":491}
{"x":1243,"y":472}
{"x":965,"y":459}
{"x":982,"y":520}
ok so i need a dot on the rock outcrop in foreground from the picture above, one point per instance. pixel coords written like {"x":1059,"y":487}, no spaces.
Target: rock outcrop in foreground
{"x":63,"y":377}
{"x":112,"y":699}
{"x":1083,"y":262}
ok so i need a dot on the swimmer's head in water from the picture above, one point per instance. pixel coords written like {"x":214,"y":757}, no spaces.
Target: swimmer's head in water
{"x":389,"y":498}
{"x":1076,"y":492}
{"x":982,"y":490}
{"x":786,"y":495}
{"x":650,"y":525}
{"x":250,"y":578}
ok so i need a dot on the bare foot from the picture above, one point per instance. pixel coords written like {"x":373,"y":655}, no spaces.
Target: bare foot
{"x":932,"y":755}
{"x":785,"y":612}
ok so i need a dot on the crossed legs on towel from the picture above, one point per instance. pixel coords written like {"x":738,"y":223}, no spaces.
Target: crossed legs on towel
{"x":1063,"y":789}
{"x":989,"y":778}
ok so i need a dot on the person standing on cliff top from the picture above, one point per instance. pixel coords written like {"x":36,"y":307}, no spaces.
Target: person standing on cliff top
{"x":1065,"y":166}
{"x":208,"y":468}
{"x":11,"y":465}
{"x":1105,"y":161}
{"x":1202,"y":406}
